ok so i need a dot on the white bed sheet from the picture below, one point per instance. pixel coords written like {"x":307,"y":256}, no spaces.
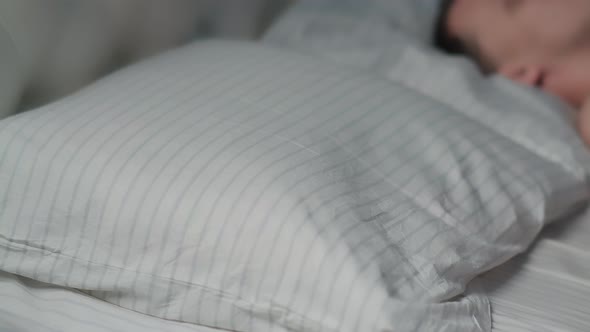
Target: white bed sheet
{"x":30,"y":306}
{"x":545,"y":290}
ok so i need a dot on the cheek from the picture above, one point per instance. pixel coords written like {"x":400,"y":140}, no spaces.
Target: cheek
{"x":570,"y":78}
{"x":571,"y":83}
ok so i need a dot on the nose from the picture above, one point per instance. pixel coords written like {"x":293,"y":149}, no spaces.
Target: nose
{"x":523,"y":73}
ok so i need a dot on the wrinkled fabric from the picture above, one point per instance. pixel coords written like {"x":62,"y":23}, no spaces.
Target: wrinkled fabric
{"x":250,"y":188}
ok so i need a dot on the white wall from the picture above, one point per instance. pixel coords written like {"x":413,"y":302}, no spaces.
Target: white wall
{"x":62,"y":45}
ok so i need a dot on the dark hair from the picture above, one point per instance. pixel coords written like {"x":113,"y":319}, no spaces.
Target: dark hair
{"x":443,"y":40}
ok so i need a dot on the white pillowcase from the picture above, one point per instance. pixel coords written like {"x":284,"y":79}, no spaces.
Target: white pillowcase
{"x":253,"y":189}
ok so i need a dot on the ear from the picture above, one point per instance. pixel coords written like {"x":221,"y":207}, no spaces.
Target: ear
{"x":525,"y":73}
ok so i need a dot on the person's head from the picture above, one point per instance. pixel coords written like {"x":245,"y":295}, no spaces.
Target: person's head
{"x":543,"y":43}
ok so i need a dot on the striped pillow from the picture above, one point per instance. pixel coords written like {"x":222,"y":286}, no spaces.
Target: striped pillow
{"x":250,"y":189}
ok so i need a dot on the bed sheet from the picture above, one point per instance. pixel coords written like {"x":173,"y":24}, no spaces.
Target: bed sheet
{"x":30,"y":306}
{"x":548,"y":288}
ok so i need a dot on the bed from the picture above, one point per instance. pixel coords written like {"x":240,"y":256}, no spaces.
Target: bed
{"x":338,"y":175}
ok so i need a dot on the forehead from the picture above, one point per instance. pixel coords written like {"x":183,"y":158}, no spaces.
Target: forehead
{"x":560,"y":20}
{"x":501,"y":29}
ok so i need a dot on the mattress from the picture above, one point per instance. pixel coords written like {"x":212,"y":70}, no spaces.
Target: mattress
{"x":546,"y":289}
